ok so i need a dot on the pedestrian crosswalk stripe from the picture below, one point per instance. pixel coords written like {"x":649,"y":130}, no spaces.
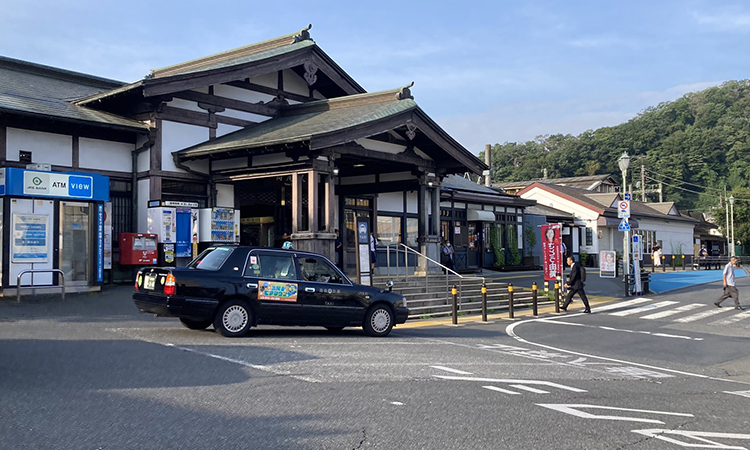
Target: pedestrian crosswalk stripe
{"x":617,"y":305}
{"x":644,"y":308}
{"x":529,"y":389}
{"x":733,"y":319}
{"x":504,"y":391}
{"x":701,"y":315}
{"x":670,"y":312}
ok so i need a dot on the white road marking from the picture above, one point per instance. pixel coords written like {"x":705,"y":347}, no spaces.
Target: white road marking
{"x":740,"y":393}
{"x":397,"y":403}
{"x":529,"y":389}
{"x":244,"y":363}
{"x":638,"y":372}
{"x":448,"y":369}
{"x":504,"y":391}
{"x":681,"y":309}
{"x":602,"y":327}
{"x":641,"y":309}
{"x":573,"y":410}
{"x":509,"y":330}
{"x":735,"y":318}
{"x":700,"y":436}
{"x":701,"y":315}
{"x":506,"y":381}
{"x":624,"y":304}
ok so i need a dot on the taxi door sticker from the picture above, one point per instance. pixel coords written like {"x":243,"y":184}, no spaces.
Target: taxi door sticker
{"x":280,"y":292}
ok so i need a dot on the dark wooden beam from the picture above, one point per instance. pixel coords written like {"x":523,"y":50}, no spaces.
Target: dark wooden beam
{"x":196,"y":118}
{"x":155,"y":153}
{"x":324,"y":67}
{"x":377,"y":188}
{"x":361,"y":152}
{"x":239,"y":105}
{"x":268,"y":90}
{"x":360,"y":131}
{"x":388,"y":137}
{"x":3,"y":143}
{"x":76,"y":152}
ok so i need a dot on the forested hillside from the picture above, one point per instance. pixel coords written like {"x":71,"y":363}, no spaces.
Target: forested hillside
{"x":695,"y":145}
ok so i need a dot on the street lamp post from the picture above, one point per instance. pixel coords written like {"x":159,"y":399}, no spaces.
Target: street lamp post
{"x":731,"y":227}
{"x":624,"y":162}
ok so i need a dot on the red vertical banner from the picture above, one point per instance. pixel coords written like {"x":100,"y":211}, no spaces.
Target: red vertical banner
{"x":551,"y":251}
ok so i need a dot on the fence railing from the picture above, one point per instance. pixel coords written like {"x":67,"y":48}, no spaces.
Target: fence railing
{"x":23,"y":272}
{"x":424,"y":267}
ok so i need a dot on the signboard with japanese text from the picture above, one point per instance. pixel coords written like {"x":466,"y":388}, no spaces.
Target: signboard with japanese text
{"x":29,"y":243}
{"x":623,"y":209}
{"x":280,"y":292}
{"x":551,"y":251}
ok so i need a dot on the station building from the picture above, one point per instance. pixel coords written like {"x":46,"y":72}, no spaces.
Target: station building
{"x":255,"y":145}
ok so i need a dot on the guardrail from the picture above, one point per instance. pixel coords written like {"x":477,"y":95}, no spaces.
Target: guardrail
{"x":23,"y":272}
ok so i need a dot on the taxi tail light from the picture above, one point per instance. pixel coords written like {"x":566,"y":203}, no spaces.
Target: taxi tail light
{"x":169,"y":286}
{"x":137,"y":279}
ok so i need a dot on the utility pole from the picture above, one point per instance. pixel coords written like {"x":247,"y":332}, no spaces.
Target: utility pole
{"x":643,"y":183}
{"x":726,"y":227}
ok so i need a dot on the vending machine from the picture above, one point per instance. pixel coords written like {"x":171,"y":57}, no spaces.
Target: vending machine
{"x":176,"y":224}
{"x":218,"y":226}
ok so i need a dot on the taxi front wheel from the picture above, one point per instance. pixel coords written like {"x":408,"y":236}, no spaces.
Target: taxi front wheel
{"x":233,"y":319}
{"x":378,"y":321}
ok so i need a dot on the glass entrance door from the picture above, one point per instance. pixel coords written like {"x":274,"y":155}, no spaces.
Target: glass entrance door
{"x":353,"y":208}
{"x":75,"y":237}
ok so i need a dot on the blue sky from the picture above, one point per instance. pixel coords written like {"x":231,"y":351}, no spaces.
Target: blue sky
{"x":488,"y":72}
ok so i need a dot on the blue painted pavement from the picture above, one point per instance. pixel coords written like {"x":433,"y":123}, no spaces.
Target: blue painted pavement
{"x":666,"y":281}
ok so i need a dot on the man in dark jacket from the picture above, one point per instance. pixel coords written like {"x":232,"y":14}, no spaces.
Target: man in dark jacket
{"x":575,"y":284}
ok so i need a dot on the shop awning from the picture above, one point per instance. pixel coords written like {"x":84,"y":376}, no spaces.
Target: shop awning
{"x":480,"y":215}
{"x":614,"y":222}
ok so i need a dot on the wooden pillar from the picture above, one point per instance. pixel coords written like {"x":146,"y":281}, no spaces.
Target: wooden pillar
{"x":436,"y":211}
{"x":312,"y":201}
{"x":330,"y":199}
{"x":296,"y":202}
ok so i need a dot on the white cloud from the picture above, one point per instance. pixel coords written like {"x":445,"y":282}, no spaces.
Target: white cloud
{"x":605,"y":41}
{"x":728,"y":20}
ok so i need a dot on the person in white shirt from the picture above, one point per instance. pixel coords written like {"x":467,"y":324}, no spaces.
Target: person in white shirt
{"x":730,"y":290}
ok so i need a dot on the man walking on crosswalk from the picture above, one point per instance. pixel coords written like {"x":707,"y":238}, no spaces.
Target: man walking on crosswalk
{"x":730,"y":290}
{"x":575,"y":285}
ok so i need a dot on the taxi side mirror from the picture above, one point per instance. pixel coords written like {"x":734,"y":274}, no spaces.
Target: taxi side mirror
{"x":389,"y":283}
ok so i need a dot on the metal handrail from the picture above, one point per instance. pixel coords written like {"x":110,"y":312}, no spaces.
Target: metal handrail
{"x":448,"y":271}
{"x":23,"y":272}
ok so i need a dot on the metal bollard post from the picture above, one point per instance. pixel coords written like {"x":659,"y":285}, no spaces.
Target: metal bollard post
{"x":534,"y":299}
{"x":454,"y":292}
{"x":557,"y":296}
{"x":546,"y":286}
{"x":673,"y":266}
{"x":653,"y":265}
{"x":484,"y":302}
{"x":683,"y":262}
{"x":510,"y":301}
{"x":627,"y":285}
{"x":663,"y":264}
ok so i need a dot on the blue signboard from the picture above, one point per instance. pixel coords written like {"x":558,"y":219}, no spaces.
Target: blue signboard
{"x":67,"y":185}
{"x":100,"y":242}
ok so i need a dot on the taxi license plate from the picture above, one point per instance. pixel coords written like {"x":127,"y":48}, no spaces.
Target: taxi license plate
{"x":149,"y":281}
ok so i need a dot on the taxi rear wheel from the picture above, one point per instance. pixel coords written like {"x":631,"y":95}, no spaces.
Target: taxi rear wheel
{"x":378,"y":321}
{"x":233,"y":319}
{"x":196,"y":324}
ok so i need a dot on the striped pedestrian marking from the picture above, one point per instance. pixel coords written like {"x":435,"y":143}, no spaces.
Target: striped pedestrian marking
{"x":625,"y":304}
{"x":701,"y":315}
{"x":529,"y":389}
{"x":681,"y":309}
{"x":735,"y":318}
{"x":644,"y":308}
{"x":504,"y":391}
{"x":448,"y":369}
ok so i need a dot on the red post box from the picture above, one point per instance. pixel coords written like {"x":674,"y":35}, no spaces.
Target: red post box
{"x":138,"y":249}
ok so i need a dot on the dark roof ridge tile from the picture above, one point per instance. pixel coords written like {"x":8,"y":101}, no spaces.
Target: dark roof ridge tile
{"x":347,"y":101}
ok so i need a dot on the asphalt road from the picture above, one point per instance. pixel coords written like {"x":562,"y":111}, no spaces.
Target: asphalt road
{"x":92,"y":373}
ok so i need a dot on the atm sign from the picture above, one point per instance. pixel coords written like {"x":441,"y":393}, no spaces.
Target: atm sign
{"x":58,"y":185}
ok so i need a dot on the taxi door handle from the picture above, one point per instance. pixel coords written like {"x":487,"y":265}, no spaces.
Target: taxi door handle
{"x":252,"y":285}
{"x":309,"y":289}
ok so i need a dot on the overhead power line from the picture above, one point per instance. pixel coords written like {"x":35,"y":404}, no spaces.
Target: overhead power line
{"x":690,"y":190}
{"x":681,"y":181}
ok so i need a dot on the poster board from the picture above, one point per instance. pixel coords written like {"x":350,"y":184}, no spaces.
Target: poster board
{"x":30,"y":240}
{"x":607,"y":264}
{"x":363,"y":252}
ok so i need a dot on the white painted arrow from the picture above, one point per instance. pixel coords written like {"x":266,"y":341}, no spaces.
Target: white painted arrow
{"x":700,"y":436}
{"x":573,"y":410}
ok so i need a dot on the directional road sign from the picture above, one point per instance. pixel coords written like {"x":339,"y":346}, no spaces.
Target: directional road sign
{"x":624,"y":225}
{"x":627,"y":196}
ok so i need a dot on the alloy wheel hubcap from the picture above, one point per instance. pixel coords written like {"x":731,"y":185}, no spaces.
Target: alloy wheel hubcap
{"x":380,"y":320}
{"x":235,"y":318}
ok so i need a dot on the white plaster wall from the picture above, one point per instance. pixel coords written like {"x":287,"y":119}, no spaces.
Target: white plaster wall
{"x":223,"y":129}
{"x":105,"y":155}
{"x":672,"y":234}
{"x":318,"y":96}
{"x":177,"y":136}
{"x":186,"y":104}
{"x":385,"y":147}
{"x":47,"y":148}
{"x":273,"y":158}
{"x":397,"y":176}
{"x":295,"y":84}
{"x":267,"y":80}
{"x":391,"y":202}
{"x":144,"y":160}
{"x":233,"y":163}
{"x":246,"y":95}
{"x":225,"y":195}
{"x":358,"y":180}
{"x":412,"y":205}
{"x":143,"y":198}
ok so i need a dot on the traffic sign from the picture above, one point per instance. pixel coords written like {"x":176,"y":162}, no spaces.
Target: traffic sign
{"x":623,"y":209}
{"x":624,"y":225}
{"x":627,"y":196}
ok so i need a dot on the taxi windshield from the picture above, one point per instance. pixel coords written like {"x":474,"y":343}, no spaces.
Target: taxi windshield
{"x":211,"y":258}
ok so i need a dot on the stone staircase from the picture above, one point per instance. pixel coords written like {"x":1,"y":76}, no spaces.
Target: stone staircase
{"x":431,"y":297}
